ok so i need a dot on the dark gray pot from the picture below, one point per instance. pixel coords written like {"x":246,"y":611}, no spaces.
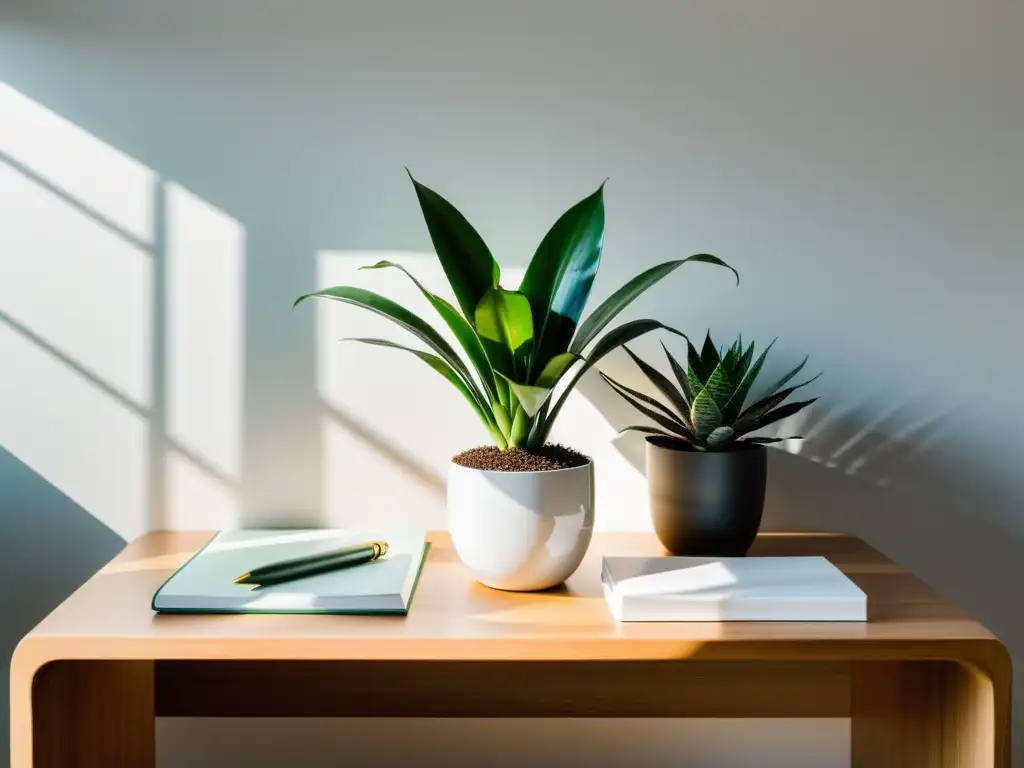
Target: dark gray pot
{"x":704,"y":503}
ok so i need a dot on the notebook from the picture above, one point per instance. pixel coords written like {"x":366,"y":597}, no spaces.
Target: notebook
{"x":204,"y":583}
{"x":730,"y":589}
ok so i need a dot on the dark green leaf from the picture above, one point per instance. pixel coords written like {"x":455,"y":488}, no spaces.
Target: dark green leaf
{"x":619,"y":300}
{"x":742,"y":363}
{"x":462,"y":330}
{"x":395,"y":312}
{"x":759,"y":409}
{"x":734,"y":407}
{"x":770,"y":440}
{"x":778,"y":414}
{"x":673,"y":425}
{"x":729,"y":360}
{"x":695,"y":372}
{"x":709,"y":358}
{"x":704,"y":415}
{"x":474,"y":398}
{"x":785,"y":379}
{"x":662,"y":383}
{"x":465,"y":258}
{"x":616,"y":337}
{"x":643,"y":398}
{"x":558,"y":280}
{"x":681,"y":377}
{"x":647,"y":431}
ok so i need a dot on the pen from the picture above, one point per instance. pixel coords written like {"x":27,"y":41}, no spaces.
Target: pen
{"x":310,"y":565}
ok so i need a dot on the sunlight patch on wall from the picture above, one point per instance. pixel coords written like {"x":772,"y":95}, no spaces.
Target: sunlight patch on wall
{"x":75,"y":284}
{"x":82,"y":440}
{"x":205,"y":251}
{"x":74,"y":161}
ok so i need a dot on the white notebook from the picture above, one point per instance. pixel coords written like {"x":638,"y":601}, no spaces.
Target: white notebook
{"x":204,"y":583}
{"x":730,"y":589}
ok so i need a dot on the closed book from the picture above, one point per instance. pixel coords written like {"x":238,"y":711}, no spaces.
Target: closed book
{"x":205,"y":584}
{"x":730,"y":589}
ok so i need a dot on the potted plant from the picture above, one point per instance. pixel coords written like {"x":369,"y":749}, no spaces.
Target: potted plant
{"x":706,"y":477}
{"x":520,"y":511}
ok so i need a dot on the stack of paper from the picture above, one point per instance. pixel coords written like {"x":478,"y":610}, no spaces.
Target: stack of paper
{"x":730,"y":589}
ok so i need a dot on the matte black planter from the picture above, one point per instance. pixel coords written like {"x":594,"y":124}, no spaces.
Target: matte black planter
{"x":706,"y":503}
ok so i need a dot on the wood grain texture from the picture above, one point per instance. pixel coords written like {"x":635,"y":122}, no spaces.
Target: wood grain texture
{"x":922,"y":681}
{"x":928,"y":714}
{"x":93,"y":715}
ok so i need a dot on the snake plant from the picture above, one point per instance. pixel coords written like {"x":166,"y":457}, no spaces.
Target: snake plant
{"x":707,"y":401}
{"x":517,"y":344}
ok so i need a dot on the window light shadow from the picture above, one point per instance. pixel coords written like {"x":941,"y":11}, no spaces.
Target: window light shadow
{"x":121,"y":318}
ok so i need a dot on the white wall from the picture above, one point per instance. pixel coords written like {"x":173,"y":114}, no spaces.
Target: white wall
{"x":172,"y":175}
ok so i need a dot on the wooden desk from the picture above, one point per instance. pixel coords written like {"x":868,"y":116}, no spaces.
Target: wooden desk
{"x":925,"y":686}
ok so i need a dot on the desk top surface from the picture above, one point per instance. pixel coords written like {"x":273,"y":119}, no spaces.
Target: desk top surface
{"x":455,"y":618}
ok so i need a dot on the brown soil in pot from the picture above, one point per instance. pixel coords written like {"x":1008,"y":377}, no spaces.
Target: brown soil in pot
{"x":550,"y":457}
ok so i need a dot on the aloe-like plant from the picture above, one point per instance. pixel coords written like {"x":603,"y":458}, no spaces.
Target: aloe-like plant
{"x":518,"y":343}
{"x":707,"y":403}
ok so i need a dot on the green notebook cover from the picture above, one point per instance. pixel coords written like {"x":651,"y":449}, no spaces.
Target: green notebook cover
{"x":204,"y":583}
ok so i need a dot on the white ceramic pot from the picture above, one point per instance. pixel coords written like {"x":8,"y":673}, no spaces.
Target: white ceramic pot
{"x":521,"y":531}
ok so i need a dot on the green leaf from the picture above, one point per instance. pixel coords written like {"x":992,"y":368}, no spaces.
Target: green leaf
{"x":761,"y":408}
{"x":439,"y":365}
{"x":395,"y":312}
{"x":462,"y":330}
{"x":663,"y":385}
{"x":616,"y":337}
{"x":681,"y":377}
{"x":637,"y":400}
{"x":633,"y":394}
{"x":719,"y":386}
{"x":742,"y":363}
{"x":647,"y":431}
{"x":730,"y":358}
{"x":720,"y":437}
{"x":504,"y":322}
{"x":778,"y":414}
{"x":465,"y":258}
{"x":709,"y":358}
{"x":558,"y":280}
{"x":619,"y":300}
{"x":770,"y":440}
{"x":704,"y":415}
{"x":530,"y":398}
{"x":695,"y":372}
{"x":734,"y":407}
{"x":555,"y":368}
{"x":520,"y":428}
{"x":785,"y":379}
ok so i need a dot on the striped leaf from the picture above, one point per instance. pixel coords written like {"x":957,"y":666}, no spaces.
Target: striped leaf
{"x":662,"y":383}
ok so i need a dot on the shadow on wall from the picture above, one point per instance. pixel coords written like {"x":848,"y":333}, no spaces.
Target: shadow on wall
{"x":121,"y":330}
{"x":891,"y":481}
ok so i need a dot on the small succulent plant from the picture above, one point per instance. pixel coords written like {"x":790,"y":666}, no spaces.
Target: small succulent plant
{"x":707,"y":407}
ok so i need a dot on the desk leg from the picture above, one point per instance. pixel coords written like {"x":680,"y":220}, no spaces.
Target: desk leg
{"x":93,"y":714}
{"x":928,"y":714}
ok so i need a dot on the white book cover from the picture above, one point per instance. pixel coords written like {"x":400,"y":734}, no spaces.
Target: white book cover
{"x":206,"y":583}
{"x":730,"y":589}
